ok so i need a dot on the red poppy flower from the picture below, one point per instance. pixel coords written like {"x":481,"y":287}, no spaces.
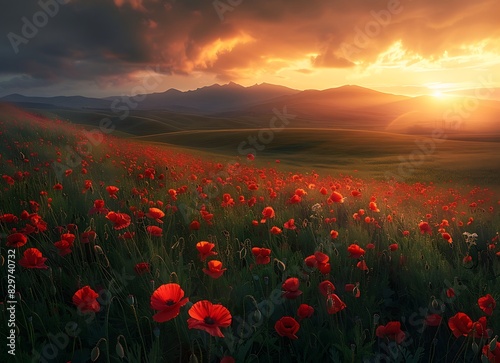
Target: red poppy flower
{"x":205,"y":249}
{"x":156,"y":214}
{"x":267,"y":213}
{"x":215,"y":269}
{"x":334,"y":304}
{"x":88,"y":236}
{"x":295,"y":199}
{"x":120,"y":220}
{"x":287,"y":327}
{"x":373,"y":207}
{"x":393,"y":247}
{"x":57,"y":186}
{"x":392,"y":331}
{"x":16,"y":240}
{"x":8,"y":218}
{"x":334,"y":234}
{"x":467,"y":259}
{"x":275,"y":230}
{"x":311,"y":261}
{"x":447,"y":237}
{"x":336,"y":197}
{"x":98,"y":207}
{"x":154,"y":231}
{"x":32,"y":258}
{"x":487,"y":304}
{"x":425,"y":228}
{"x":262,"y":255}
{"x":355,"y":251}
{"x":305,"y":311}
{"x":194,"y":226}
{"x":291,"y":288}
{"x":142,"y":268}
{"x":492,"y":352}
{"x":209,"y":317}
{"x":326,"y":288}
{"x":64,"y":246}
{"x":460,"y":324}
{"x":167,"y":300}
{"x":112,"y":190}
{"x":85,"y":300}
{"x":479,"y":328}
{"x":290,"y":224}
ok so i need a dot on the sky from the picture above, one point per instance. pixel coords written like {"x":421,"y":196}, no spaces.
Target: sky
{"x":104,"y":48}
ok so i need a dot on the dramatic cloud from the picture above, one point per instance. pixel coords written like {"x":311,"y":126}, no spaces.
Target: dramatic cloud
{"x":110,"y":41}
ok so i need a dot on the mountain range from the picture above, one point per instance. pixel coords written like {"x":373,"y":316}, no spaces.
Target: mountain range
{"x":345,"y":107}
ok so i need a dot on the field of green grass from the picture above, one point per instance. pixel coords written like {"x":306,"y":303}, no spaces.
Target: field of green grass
{"x":178,"y":247}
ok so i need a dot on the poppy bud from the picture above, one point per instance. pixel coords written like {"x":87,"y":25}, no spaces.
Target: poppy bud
{"x":493,"y":343}
{"x":280,"y":265}
{"x":475,"y":347}
{"x":193,"y":358}
{"x":174,"y":278}
{"x":119,"y":350}
{"x":94,"y":355}
{"x":131,"y":300}
{"x":156,"y":332}
{"x":376,"y":319}
{"x":256,"y":317}
{"x":434,"y":303}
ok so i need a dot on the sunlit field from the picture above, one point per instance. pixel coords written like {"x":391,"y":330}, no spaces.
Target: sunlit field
{"x":123,"y":249}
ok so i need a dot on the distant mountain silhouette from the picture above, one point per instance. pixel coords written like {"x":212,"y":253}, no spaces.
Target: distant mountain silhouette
{"x":347,"y":106}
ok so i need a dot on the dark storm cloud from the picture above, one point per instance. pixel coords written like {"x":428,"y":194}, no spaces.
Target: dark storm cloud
{"x":102,"y":39}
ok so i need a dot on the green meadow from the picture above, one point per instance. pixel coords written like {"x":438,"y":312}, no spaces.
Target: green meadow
{"x":351,"y":210}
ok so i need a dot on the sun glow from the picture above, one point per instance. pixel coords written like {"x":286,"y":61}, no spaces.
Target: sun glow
{"x":438,"y":94}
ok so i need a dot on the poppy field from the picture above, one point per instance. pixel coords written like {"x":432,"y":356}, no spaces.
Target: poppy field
{"x":129,"y":251}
